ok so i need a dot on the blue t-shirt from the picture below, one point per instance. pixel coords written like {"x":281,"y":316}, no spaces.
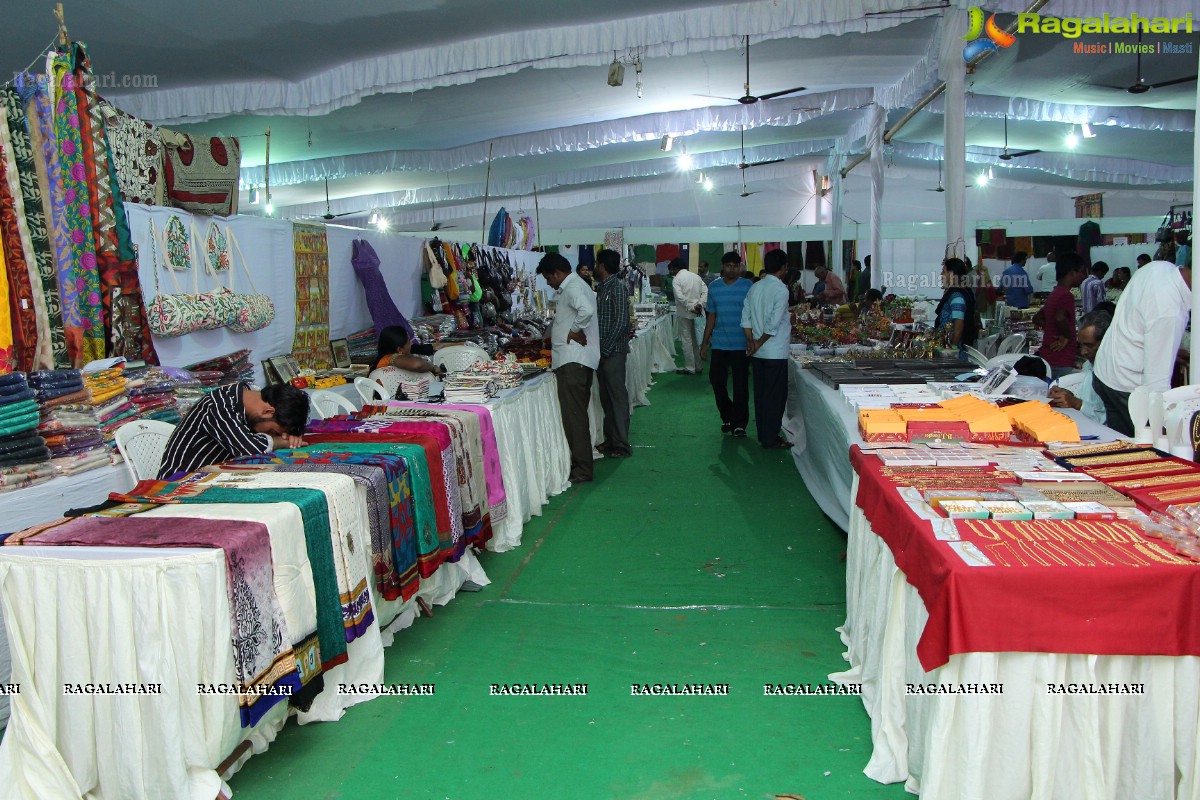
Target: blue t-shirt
{"x":726,"y":301}
{"x":1017,"y":286}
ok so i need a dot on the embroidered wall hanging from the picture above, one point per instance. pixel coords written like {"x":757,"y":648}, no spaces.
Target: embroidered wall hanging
{"x":311,"y":345}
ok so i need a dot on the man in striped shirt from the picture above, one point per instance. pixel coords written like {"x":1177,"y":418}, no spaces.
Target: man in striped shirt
{"x":234,"y":421}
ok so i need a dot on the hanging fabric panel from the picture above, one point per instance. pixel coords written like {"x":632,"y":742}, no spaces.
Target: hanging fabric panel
{"x":76,"y":208}
{"x":311,"y":344}
{"x":7,"y":361}
{"x":137,"y":150}
{"x":20,"y":293}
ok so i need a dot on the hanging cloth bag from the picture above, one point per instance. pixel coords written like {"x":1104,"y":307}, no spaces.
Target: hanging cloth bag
{"x":177,"y":314}
{"x":437,"y":277}
{"x":222,"y":298}
{"x":251,"y":312}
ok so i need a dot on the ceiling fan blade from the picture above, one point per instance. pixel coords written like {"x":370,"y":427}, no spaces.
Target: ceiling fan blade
{"x":715,"y":96}
{"x":773,"y":95}
{"x":1162,"y":84}
{"x":1009,"y":156}
{"x":1111,"y":86}
{"x":938,"y":189}
{"x":346,"y":214}
{"x":747,"y":194}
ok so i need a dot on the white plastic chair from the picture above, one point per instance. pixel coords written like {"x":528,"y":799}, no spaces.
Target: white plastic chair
{"x":459,"y":357}
{"x":1009,"y":359}
{"x":329,"y":404}
{"x":987,"y":345}
{"x":142,"y":443}
{"x":1012,"y":344}
{"x":977,"y":358}
{"x":370,"y":391}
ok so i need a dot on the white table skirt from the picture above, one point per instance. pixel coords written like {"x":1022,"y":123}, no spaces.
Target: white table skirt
{"x":46,"y":501}
{"x":1025,"y":743}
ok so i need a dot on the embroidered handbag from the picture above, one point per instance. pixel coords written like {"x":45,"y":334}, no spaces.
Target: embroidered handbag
{"x":248,"y":312}
{"x":178,"y":314}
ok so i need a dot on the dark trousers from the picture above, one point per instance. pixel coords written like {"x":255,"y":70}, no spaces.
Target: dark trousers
{"x":614,"y":399}
{"x":1116,"y":407}
{"x":574,"y":396}
{"x":770,"y":397}
{"x":723,"y":364}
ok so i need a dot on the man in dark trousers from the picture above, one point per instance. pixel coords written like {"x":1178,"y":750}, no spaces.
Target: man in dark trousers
{"x":575,"y":355}
{"x":767,"y":326}
{"x":723,"y":335}
{"x":612,"y":310}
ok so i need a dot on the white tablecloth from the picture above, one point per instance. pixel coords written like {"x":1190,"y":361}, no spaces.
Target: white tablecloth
{"x":1024,"y":743}
{"x":38,"y":504}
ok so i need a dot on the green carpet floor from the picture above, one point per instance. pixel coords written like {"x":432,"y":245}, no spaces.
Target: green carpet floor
{"x":702,"y":559}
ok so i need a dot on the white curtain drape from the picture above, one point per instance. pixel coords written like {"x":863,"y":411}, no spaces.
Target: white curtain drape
{"x":878,"y":123}
{"x":672,"y":33}
{"x":953,"y":72}
{"x":1194,"y":365}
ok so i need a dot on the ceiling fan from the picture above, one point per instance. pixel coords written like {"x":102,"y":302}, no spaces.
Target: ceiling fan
{"x":743,"y":164}
{"x":939,"y":187}
{"x":434,"y":225}
{"x":748,"y":99}
{"x":746,"y":193}
{"x":1007,"y":156}
{"x":1140,"y":86}
{"x":329,"y":215}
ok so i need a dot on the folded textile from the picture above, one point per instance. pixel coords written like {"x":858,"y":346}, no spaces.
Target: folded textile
{"x":103,"y":374}
{"x":64,"y":419}
{"x":62,"y":439}
{"x":70,"y":450}
{"x":47,"y":393}
{"x":12,"y":379}
{"x":31,"y":455}
{"x":13,"y":410}
{"x":80,"y":396}
{"x":98,"y":399}
{"x":25,"y":422}
{"x":27,"y":473}
{"x":52,"y":375}
{"x":124,"y":409}
{"x":13,"y":388}
{"x":25,"y":484}
{"x":17,"y":397}
{"x":20,"y":441}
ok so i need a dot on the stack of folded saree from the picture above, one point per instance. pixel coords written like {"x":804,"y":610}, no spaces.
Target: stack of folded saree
{"x":23,"y":453}
{"x":153,"y":397}
{"x":110,"y":400}
{"x":232,"y":368}
{"x":61,"y":385}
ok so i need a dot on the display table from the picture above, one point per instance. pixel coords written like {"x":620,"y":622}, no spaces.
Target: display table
{"x":822,"y":427}
{"x":48,"y":500}
{"x":1026,"y":741}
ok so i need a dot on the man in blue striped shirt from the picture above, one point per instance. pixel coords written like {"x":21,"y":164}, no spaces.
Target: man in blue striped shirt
{"x":723,"y":334}
{"x":767,"y":325}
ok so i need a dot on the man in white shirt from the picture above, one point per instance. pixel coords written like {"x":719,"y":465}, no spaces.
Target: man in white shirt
{"x":691,"y":297}
{"x":767,"y":323}
{"x":1047,"y":275}
{"x":575,"y":355}
{"x":1143,"y":340}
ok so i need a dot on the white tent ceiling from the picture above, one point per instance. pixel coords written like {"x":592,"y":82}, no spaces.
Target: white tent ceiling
{"x":399,"y":103}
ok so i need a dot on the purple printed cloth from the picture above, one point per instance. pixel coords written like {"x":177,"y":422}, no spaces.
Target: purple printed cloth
{"x":261,"y":646}
{"x":383,"y":309}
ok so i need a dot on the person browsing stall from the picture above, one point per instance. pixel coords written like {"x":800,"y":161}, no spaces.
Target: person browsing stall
{"x":236,"y":420}
{"x":612,"y":308}
{"x":575,"y":355}
{"x":1057,"y":317}
{"x":1143,"y":340}
{"x":1018,"y":289}
{"x":834,"y":291}
{"x":956,"y":311}
{"x":723,"y":334}
{"x":1092,"y":289}
{"x":767,"y":327}
{"x":691,"y":296}
{"x":1092,"y":328}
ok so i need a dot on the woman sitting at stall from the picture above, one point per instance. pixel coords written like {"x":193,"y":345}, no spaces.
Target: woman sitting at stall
{"x":395,"y":350}
{"x":956,"y":311}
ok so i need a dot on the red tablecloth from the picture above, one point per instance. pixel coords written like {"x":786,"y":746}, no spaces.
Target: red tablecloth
{"x":1112,"y":608}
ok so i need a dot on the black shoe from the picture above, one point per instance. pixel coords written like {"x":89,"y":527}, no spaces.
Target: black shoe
{"x":619,"y":453}
{"x":576,"y":479}
{"x":726,"y":427}
{"x":739,"y":432}
{"x":778,"y":444}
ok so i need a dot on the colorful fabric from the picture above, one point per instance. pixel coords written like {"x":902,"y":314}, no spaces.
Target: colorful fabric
{"x":22,"y":316}
{"x":389,"y":504}
{"x":384,"y":313}
{"x":346,"y":524}
{"x":311,"y":343}
{"x":478,"y":418}
{"x":35,"y":328}
{"x":8,"y":355}
{"x":261,"y":645}
{"x":81,"y":263}
{"x":137,"y":153}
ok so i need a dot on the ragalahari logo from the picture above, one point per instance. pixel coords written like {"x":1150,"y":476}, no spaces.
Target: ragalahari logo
{"x":995,"y":36}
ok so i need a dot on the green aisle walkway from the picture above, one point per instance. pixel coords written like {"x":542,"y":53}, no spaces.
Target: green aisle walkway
{"x":702,"y":559}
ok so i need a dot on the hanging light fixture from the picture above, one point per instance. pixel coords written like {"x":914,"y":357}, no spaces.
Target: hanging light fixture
{"x":982,"y":179}
{"x":699,"y":177}
{"x":373,"y":219}
{"x":667,"y":142}
{"x":684,"y":161}
{"x":382,"y":223}
{"x":708,"y":184}
{"x":254,"y":195}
